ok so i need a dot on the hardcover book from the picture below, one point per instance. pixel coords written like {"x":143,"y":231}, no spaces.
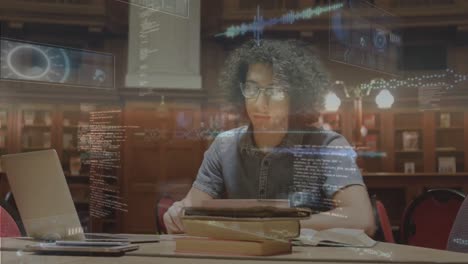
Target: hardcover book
{"x":204,"y":245}
{"x":445,"y":120}
{"x":242,"y":229}
{"x":29,"y":117}
{"x":241,"y":203}
{"x":447,"y":164}
{"x":409,"y":167}
{"x":410,"y":140}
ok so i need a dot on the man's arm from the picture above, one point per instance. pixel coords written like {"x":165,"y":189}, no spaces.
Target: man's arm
{"x":172,"y":217}
{"x":208,"y":184}
{"x":352,"y":210}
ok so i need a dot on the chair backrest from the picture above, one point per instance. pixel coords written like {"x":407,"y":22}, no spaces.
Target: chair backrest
{"x":458,"y":239}
{"x":382,"y":222}
{"x":9,"y":204}
{"x":428,"y":219}
{"x":8,"y":224}
{"x":162,"y":205}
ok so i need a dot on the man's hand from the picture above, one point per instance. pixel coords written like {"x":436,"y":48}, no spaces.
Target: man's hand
{"x":353,"y":210}
{"x":172,"y":218}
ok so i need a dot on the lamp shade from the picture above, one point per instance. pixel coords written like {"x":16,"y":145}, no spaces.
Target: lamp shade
{"x":384,"y":99}
{"x":332,"y":102}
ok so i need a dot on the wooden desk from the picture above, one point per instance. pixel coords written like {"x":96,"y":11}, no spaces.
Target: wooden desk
{"x":12,"y":258}
{"x":163,"y":252}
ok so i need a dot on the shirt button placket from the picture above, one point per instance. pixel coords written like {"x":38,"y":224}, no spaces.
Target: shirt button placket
{"x":263,"y":178}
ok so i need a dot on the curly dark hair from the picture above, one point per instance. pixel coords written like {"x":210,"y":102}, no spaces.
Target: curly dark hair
{"x":293,"y":62}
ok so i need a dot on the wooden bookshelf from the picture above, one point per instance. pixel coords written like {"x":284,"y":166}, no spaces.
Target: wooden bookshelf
{"x":450,"y":138}
{"x":372,"y":142}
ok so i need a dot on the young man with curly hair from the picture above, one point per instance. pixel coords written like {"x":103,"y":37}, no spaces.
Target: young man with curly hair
{"x":280,"y":86}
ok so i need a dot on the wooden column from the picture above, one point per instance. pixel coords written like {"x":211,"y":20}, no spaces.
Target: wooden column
{"x":387,"y":139}
{"x":12,"y":129}
{"x":465,"y":139}
{"x":346,"y":116}
{"x":358,"y":124}
{"x":428,"y":140}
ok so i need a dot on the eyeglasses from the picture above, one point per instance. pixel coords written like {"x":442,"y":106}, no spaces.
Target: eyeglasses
{"x":251,"y":90}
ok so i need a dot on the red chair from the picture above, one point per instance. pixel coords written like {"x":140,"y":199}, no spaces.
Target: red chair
{"x":428,"y":219}
{"x":161,"y":207}
{"x":384,"y":229}
{"x":458,"y":239}
{"x":8,"y":225}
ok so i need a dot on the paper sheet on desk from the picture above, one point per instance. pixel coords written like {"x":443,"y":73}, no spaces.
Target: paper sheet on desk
{"x":337,"y":237}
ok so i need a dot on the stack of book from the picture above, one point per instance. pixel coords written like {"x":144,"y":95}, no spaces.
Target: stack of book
{"x":256,"y":230}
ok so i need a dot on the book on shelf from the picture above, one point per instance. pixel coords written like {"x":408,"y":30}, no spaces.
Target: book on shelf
{"x":447,"y":164}
{"x":83,"y":123}
{"x":67,"y":140}
{"x":25,"y":139}
{"x":446,"y":149}
{"x":75,"y":165}
{"x":47,"y":118}
{"x":36,"y":139}
{"x":409,"y":167}
{"x":368,"y":121}
{"x":445,"y":120}
{"x":47,"y":143}
{"x":370,"y":142}
{"x":29,"y":117}
{"x":410,"y":140}
{"x":66,"y":122}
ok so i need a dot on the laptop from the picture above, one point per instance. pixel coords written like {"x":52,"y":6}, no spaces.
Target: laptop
{"x":44,"y":200}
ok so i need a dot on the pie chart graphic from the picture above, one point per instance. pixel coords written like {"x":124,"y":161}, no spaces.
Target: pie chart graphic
{"x":24,"y":61}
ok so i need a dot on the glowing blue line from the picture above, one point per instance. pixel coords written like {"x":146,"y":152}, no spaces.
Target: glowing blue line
{"x":66,"y":68}
{"x":449,"y":79}
{"x":259,"y":23}
{"x":322,"y":151}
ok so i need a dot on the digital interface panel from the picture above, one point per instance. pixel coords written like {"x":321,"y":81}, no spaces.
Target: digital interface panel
{"x":361,"y":35}
{"x":24,"y":61}
{"x":180,"y":8}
